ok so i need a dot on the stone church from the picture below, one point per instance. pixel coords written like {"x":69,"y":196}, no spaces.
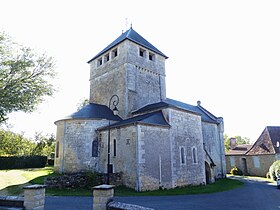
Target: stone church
{"x":154,"y":141}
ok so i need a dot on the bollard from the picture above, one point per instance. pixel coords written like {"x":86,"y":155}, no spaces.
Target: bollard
{"x":102,"y":194}
{"x":34,"y":197}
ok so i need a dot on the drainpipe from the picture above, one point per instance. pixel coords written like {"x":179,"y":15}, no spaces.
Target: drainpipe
{"x":220,"y":120}
{"x":63,"y":147}
{"x":138,"y":187}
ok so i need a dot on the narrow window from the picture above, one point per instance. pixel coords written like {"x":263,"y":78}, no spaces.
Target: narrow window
{"x":115,"y":148}
{"x":194,"y":155}
{"x":106,"y":58}
{"x":57,"y":150}
{"x":94,"y":148}
{"x":142,"y":52}
{"x":114,"y":53}
{"x":182,"y":155}
{"x":99,"y":62}
{"x":151,"y":56}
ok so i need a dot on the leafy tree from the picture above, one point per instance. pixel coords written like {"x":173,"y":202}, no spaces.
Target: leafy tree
{"x":44,"y":145}
{"x":24,"y":77}
{"x":12,"y":144}
{"x":83,"y":102}
{"x":239,"y":140}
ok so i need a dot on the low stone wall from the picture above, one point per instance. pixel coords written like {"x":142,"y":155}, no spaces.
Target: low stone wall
{"x":113,"y":205}
{"x":103,"y":200}
{"x":11,"y":201}
{"x":82,"y":180}
{"x":34,"y":198}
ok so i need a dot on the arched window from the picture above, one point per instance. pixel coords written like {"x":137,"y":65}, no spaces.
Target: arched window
{"x":95,"y":148}
{"x":115,"y":147}
{"x":57,"y":149}
{"x":182,"y":155}
{"x":194,"y":155}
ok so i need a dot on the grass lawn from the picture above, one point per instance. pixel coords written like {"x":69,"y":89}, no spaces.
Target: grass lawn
{"x":12,"y":182}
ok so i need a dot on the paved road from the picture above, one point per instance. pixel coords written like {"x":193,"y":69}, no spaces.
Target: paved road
{"x":254,"y":195}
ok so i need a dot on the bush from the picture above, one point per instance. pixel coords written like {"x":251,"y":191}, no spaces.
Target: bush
{"x":23,"y":162}
{"x":268,"y":175}
{"x":236,"y":171}
{"x":274,"y":170}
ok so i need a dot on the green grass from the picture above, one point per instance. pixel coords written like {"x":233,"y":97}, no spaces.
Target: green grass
{"x":218,"y":186}
{"x":15,"y":179}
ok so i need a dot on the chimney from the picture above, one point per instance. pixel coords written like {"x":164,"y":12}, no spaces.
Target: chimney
{"x":232,"y":143}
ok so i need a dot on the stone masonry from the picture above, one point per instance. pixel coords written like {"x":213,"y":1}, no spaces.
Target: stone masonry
{"x":156,"y":142}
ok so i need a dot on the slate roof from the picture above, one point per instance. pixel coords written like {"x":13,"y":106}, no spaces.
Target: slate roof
{"x":94,"y":111}
{"x":155,"y":118}
{"x":267,"y":142}
{"x":205,"y":115}
{"x":133,"y":36}
{"x":240,"y":149}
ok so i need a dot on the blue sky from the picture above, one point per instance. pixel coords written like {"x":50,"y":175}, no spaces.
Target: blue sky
{"x":223,"y":53}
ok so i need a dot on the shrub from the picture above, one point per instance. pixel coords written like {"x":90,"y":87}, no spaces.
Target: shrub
{"x":268,"y":175}
{"x":274,"y":170}
{"x":236,"y":171}
{"x":22,"y":162}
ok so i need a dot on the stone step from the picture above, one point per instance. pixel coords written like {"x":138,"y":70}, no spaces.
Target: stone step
{"x":10,"y":208}
{"x":11,"y":201}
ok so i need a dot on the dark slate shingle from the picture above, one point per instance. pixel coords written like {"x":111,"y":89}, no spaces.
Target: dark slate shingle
{"x":133,"y":36}
{"x":154,"y":118}
{"x":94,"y":111}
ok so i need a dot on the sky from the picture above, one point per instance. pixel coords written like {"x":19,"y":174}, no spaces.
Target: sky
{"x":223,"y":53}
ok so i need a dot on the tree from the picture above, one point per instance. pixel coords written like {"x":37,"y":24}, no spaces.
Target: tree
{"x":239,"y":140}
{"x":24,"y":77}
{"x":83,"y":102}
{"x":12,"y":144}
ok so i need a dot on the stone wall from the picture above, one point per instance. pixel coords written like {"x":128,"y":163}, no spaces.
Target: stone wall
{"x":82,"y":180}
{"x":186,"y":134}
{"x":214,"y":144}
{"x":153,"y":158}
{"x":257,"y":165}
{"x":75,"y":139}
{"x":124,"y":158}
{"x":136,"y":80}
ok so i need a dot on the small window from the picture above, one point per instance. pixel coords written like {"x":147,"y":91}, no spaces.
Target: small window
{"x":114,"y":53}
{"x":106,"y":58}
{"x":94,"y":148}
{"x":194,"y":155}
{"x":142,"y":52}
{"x":99,"y":62}
{"x":115,"y":147}
{"x":151,"y":56}
{"x":57,"y":150}
{"x":182,"y":155}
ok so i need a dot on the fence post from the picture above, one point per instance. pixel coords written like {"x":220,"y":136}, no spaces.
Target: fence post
{"x":102,"y":194}
{"x":34,"y":197}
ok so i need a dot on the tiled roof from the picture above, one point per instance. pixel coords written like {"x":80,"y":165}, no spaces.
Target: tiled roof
{"x":240,"y":149}
{"x":133,"y":36}
{"x":205,"y":115}
{"x":267,"y":142}
{"x":154,"y":118}
{"x":94,"y":111}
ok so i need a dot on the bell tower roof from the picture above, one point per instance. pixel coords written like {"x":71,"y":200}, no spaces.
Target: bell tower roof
{"x":133,"y":36}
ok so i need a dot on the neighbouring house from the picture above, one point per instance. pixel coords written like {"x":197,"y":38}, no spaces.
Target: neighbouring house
{"x":257,"y":158}
{"x":154,"y":141}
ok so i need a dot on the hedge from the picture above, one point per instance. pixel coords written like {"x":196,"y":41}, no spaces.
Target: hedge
{"x":23,"y":162}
